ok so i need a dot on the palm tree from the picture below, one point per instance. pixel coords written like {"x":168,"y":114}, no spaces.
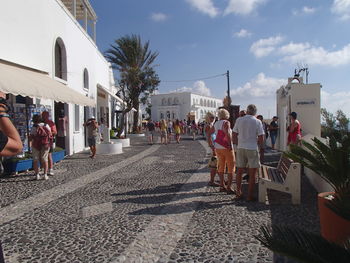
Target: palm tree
{"x":134,"y":61}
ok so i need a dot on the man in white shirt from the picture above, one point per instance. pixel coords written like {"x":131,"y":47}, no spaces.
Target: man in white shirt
{"x":249,"y":132}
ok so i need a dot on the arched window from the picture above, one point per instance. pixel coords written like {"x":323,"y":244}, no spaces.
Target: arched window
{"x":176,"y":100}
{"x":60,"y":60}
{"x":168,"y":114}
{"x":164,"y":101}
{"x":170,"y":101}
{"x":201,"y":102}
{"x":86,"y":79}
{"x":214,"y":104}
{"x":161,"y":115}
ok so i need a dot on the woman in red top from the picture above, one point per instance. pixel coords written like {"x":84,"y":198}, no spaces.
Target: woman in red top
{"x":294,"y":130}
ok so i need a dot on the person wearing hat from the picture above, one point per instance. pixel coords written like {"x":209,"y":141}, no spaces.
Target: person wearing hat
{"x":273,"y":129}
{"x":92,"y":133}
{"x":294,"y":130}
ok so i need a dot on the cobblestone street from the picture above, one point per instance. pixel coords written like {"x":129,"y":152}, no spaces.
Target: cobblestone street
{"x":149,"y":204}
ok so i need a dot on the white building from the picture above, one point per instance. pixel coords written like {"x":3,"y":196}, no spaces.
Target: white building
{"x":182,"y":105}
{"x":304,"y":99}
{"x":49,"y":56}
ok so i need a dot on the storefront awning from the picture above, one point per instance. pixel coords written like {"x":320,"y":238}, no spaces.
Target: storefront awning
{"x":110,"y":93}
{"x":18,"y":80}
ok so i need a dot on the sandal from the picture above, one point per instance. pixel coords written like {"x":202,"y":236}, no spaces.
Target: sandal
{"x":213,"y":184}
{"x":231,"y":191}
{"x":238,"y":197}
{"x":222,"y":189}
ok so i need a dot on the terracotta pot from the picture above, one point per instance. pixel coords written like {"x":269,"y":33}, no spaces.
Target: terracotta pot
{"x":333,"y":227}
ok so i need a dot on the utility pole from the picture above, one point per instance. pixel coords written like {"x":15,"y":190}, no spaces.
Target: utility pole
{"x":228,"y":87}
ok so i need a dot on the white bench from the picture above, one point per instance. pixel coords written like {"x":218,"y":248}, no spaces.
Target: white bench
{"x":284,"y":178}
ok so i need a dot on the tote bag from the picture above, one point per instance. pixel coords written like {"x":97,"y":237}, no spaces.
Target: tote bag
{"x":221,"y":138}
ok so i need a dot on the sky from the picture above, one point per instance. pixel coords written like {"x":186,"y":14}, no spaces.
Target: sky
{"x":260,"y":42}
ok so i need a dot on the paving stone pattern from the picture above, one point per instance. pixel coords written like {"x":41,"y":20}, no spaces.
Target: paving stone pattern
{"x":154,"y":209}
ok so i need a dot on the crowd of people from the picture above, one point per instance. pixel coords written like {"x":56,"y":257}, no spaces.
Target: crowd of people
{"x":173,"y":128}
{"x":240,"y":149}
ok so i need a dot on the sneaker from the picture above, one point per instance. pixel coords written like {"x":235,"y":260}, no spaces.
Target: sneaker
{"x":46,"y":177}
{"x":50,"y":172}
{"x":37,"y":177}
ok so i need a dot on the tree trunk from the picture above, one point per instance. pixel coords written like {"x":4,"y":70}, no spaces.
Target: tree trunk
{"x":135,"y":125}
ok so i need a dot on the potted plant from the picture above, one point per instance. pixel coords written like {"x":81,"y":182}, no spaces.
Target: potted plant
{"x":18,"y":164}
{"x":331,"y":162}
{"x":58,"y":154}
{"x":303,"y":246}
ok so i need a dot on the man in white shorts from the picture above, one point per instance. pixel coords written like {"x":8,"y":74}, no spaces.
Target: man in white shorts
{"x":249,"y":132}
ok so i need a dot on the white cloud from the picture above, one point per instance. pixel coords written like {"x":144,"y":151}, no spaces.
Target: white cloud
{"x":293,"y":48}
{"x":263,"y":47}
{"x":242,"y":7}
{"x":243,"y":33}
{"x":159,"y":17}
{"x":260,"y":86}
{"x":304,"y":52}
{"x":304,"y":11}
{"x":199,"y":87}
{"x":301,"y":52}
{"x":205,"y":6}
{"x":308,"y":10}
{"x":341,"y":8}
{"x":336,"y":101}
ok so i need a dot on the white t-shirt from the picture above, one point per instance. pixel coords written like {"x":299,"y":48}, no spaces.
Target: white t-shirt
{"x":248,"y":128}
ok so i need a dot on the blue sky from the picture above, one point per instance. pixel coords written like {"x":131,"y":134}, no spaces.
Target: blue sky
{"x":260,"y":42}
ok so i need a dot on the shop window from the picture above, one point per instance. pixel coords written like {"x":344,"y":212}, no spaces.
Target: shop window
{"x":86,"y":79}
{"x":168,"y":114}
{"x":161,"y":115}
{"x":76,"y":118}
{"x":60,"y":60}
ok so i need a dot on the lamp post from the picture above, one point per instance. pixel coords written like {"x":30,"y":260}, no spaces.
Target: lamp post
{"x":228,"y":88}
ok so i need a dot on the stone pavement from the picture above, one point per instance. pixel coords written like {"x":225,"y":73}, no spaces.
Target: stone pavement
{"x":149,"y":204}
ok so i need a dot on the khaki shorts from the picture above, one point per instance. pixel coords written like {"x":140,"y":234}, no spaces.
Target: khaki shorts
{"x":41,"y":155}
{"x":248,"y":158}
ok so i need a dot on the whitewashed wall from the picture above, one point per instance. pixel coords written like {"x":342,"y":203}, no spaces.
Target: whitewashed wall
{"x":30,"y":30}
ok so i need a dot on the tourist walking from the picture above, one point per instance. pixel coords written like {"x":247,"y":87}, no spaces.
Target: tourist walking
{"x":294,"y":130}
{"x":45,"y":117}
{"x":40,"y":136}
{"x":224,"y":149}
{"x":177,"y":130}
{"x":170,"y":130}
{"x":92,"y":133}
{"x":10,"y":141}
{"x":163,"y":132}
{"x":273,"y":129}
{"x":194,"y":129}
{"x":249,"y":132}
{"x":150,"y":127}
{"x":210,"y":118}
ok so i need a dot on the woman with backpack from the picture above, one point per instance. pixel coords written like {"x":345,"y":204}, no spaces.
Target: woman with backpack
{"x":41,"y":138}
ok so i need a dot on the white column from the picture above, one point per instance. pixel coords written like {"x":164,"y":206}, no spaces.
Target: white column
{"x":74,"y":8}
{"x":85,"y":19}
{"x":94,"y":30}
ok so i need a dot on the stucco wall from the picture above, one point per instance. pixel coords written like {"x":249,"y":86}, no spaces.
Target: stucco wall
{"x":30,"y":30}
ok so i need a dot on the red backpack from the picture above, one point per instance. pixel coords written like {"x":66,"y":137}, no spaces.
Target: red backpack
{"x":43,"y":138}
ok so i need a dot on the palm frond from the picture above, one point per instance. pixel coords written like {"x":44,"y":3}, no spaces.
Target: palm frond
{"x":302,"y":246}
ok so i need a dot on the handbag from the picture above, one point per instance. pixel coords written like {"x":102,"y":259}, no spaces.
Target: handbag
{"x":221,"y":139}
{"x":213,"y":162}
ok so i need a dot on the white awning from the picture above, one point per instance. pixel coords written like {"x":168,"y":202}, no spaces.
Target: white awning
{"x":18,"y":80}
{"x":110,"y":93}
